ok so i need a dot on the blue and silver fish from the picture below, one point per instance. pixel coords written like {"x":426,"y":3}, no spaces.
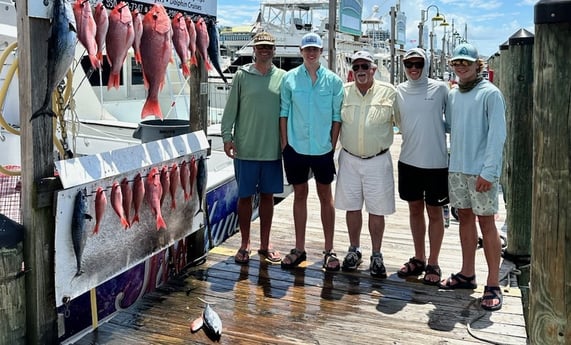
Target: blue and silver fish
{"x":212,"y":323}
{"x":214,"y":48}
{"x":61,"y":51}
{"x":201,"y":180}
{"x":78,"y":233}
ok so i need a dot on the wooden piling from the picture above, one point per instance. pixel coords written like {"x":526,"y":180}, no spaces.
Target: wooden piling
{"x":550,"y":295}
{"x":519,"y":145}
{"x":37,"y":164}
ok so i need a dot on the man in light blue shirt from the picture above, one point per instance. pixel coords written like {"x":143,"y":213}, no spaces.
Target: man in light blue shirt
{"x":310,"y":119}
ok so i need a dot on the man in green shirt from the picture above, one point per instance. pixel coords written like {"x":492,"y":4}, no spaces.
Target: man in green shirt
{"x":250,"y":131}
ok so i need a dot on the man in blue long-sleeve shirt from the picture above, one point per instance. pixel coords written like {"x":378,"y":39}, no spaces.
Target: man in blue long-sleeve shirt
{"x":475,"y":117}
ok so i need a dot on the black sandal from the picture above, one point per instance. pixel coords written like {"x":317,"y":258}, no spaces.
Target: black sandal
{"x":432,"y":270}
{"x":419,"y":267}
{"x":458,"y":281}
{"x":494,"y":292}
{"x":330,"y":257}
{"x":299,"y":256}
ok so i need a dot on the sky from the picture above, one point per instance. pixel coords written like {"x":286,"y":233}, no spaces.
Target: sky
{"x":489,"y":23}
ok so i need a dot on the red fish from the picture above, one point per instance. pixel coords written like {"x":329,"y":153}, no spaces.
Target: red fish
{"x":193,"y":172}
{"x":119,"y":39}
{"x":138,"y":195}
{"x":100,"y":206}
{"x":192,"y":40}
{"x":181,"y":40}
{"x":184,"y":179}
{"x":86,"y":29}
{"x":127,"y":192}
{"x":202,"y":41}
{"x":153,"y":196}
{"x":156,"y":52}
{"x":102,"y":22}
{"x":117,"y":204}
{"x":165,"y":182}
{"x":138,"y":27}
{"x":174,"y":179}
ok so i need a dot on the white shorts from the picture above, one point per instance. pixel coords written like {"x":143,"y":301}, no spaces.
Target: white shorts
{"x":369,"y":180}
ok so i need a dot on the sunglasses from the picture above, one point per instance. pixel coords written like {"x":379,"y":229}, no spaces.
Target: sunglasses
{"x":461,"y":63}
{"x":264,"y":46}
{"x":417,"y":64}
{"x":363,"y":66}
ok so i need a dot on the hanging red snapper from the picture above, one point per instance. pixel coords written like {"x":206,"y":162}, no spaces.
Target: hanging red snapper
{"x":127,"y":193}
{"x":184,"y":179}
{"x":192,"y":40}
{"x":138,"y":196}
{"x":154,"y":190}
{"x":174,"y":181}
{"x":117,"y":204}
{"x":138,"y":27}
{"x":202,"y":41}
{"x":100,"y":206}
{"x":156,"y":51}
{"x":86,"y":29}
{"x":119,"y":39}
{"x":102,"y":23}
{"x":181,"y":41}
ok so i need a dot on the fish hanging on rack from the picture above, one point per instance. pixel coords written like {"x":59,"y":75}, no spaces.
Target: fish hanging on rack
{"x":61,"y":51}
{"x":202,"y":41}
{"x":119,"y":39}
{"x":181,"y":42}
{"x":78,"y":235}
{"x":190,"y":26}
{"x":214,"y":48}
{"x":102,"y":24}
{"x":86,"y":30}
{"x":100,"y":206}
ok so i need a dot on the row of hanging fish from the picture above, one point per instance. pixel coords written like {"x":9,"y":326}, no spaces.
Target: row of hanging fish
{"x":152,"y":37}
{"x":154,"y":188}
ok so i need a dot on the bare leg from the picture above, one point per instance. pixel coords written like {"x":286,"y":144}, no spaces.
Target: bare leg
{"x":417,"y":228}
{"x":300,"y":192}
{"x":354,"y":221}
{"x":266,"y":214}
{"x":435,"y":232}
{"x":327,"y":213}
{"x":244,"y":220}
{"x":376,"y":229}
{"x":468,"y":241}
{"x":492,"y":252}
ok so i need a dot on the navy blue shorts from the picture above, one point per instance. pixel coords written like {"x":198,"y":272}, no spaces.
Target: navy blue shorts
{"x":298,"y":166}
{"x":430,"y":185}
{"x":258,"y":177}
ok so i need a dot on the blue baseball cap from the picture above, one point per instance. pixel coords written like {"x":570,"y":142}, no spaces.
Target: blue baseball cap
{"x":465,"y":51}
{"x":311,"y":40}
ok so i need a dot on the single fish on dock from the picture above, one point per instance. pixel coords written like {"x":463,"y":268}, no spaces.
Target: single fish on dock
{"x":78,"y":235}
{"x":61,"y":51}
{"x":212,"y":322}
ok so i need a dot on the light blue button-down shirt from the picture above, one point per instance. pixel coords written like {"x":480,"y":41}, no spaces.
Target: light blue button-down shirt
{"x":311,"y":109}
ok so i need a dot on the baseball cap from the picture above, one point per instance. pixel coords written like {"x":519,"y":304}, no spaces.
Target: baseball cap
{"x":311,"y":40}
{"x":363,"y":55}
{"x":465,"y":51}
{"x":412,"y":54}
{"x":264,"y":38}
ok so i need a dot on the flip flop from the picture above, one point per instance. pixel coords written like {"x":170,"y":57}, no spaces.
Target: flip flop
{"x":271,"y":256}
{"x":245,"y":256}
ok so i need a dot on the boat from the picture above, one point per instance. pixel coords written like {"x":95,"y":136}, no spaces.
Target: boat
{"x":105,"y":124}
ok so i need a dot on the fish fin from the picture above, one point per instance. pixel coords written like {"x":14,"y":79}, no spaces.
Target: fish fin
{"x":151,"y":108}
{"x":88,"y":216}
{"x":161,"y":223}
{"x":113,"y":81}
{"x":185,"y":69}
{"x":100,"y":58}
{"x":138,"y":57}
{"x":43,"y":111}
{"x":186,"y":196}
{"x":208,"y":65}
{"x":95,"y":63}
{"x":135,"y":219}
{"x":96,"y":229}
{"x":125,"y":223}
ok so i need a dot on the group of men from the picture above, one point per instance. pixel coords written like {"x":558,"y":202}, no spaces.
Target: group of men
{"x":296,"y":118}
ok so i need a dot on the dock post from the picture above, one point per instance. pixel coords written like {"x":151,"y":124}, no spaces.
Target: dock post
{"x":550,"y":293}
{"x":518,"y":92}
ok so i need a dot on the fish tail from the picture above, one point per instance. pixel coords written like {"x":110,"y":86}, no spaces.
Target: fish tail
{"x":208,"y":65}
{"x":138,"y":59}
{"x":173,"y":204}
{"x":96,"y":229}
{"x":193,"y":60}
{"x":186,"y":196}
{"x":185,"y":69}
{"x":43,"y":111}
{"x":100,"y":57}
{"x":113,"y":81}
{"x":135,"y":219}
{"x":161,"y":223}
{"x":95,"y":63}
{"x":125,"y":223}
{"x":151,"y":108}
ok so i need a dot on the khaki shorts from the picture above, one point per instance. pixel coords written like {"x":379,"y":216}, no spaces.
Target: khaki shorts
{"x":462,"y":189}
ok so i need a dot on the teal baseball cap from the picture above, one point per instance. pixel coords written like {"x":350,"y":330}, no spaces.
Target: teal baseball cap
{"x":311,"y":40}
{"x":465,"y":51}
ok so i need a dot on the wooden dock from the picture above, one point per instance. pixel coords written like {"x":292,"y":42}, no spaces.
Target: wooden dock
{"x":264,"y":304}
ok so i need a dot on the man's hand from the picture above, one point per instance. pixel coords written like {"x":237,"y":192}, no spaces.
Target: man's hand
{"x":483,"y":185}
{"x":230,"y":149}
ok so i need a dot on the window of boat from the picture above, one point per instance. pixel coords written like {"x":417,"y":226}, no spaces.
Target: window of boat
{"x":136,"y":73}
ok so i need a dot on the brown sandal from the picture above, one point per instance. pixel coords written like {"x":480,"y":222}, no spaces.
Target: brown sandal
{"x":242,"y":257}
